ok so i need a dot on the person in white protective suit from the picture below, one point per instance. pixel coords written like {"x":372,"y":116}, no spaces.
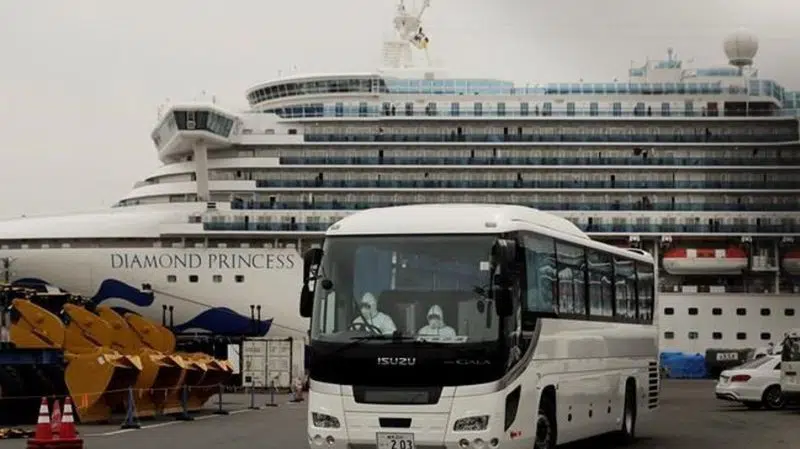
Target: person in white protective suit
{"x":369,"y":310}
{"x":436,"y":326}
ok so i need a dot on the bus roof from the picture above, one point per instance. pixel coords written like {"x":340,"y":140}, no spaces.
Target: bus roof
{"x":461,"y":218}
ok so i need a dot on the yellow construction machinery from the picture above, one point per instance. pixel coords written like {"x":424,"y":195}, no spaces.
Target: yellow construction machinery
{"x":160,"y":372}
{"x":95,"y":376}
{"x":202,"y":373}
{"x":107,"y":353}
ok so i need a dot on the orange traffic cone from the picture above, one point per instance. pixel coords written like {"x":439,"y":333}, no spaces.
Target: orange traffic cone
{"x":55,"y":420}
{"x":68,"y":431}
{"x":43,"y":433}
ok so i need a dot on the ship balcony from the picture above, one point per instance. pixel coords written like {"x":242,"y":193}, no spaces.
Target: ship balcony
{"x":731,"y":137}
{"x":652,"y":160}
{"x":665,"y":228}
{"x":567,"y":206}
{"x":523,"y":184}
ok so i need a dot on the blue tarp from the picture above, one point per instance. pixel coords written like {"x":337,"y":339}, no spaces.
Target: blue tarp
{"x":679,"y":365}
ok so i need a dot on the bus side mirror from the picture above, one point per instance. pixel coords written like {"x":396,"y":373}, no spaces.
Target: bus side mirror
{"x":503,"y":302}
{"x":311,"y":260}
{"x":504,"y":255}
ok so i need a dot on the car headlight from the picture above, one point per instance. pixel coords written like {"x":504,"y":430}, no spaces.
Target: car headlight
{"x":324,"y":421}
{"x":471,"y":423}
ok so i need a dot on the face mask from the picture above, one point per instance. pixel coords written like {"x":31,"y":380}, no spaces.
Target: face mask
{"x":367,"y":310}
{"x":434,"y":321}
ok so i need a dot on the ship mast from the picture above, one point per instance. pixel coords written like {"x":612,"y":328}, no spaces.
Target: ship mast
{"x":409,"y":35}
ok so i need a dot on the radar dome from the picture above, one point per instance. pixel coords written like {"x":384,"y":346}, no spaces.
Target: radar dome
{"x":741,"y":47}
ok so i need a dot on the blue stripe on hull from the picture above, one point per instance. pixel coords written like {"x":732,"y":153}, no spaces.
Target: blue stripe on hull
{"x":216,"y":320}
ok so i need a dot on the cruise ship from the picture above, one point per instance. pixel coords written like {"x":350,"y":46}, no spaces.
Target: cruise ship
{"x":698,"y":166}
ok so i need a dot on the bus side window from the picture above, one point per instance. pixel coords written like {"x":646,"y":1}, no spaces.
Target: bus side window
{"x":600,"y":284}
{"x":625,"y":288}
{"x":645,"y":286}
{"x":571,"y":279}
{"x":540,"y":273}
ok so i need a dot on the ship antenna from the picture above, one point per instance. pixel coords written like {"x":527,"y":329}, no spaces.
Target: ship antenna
{"x":397,"y":52}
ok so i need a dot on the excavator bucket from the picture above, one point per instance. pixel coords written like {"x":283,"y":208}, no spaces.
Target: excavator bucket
{"x":217,"y":372}
{"x":160,"y":339}
{"x":202,"y":373}
{"x":160,"y":372}
{"x":99,"y":381}
{"x":97,"y":376}
{"x":31,"y":327}
{"x":150,"y":334}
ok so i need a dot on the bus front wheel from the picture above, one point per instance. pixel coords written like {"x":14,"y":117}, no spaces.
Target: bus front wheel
{"x":628,"y":431}
{"x":546,"y":425}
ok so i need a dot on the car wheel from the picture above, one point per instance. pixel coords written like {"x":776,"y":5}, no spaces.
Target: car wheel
{"x":773,"y":398}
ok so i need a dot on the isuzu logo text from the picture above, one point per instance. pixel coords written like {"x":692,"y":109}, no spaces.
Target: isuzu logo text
{"x":397,"y":361}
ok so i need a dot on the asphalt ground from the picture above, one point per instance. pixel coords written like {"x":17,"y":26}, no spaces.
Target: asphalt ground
{"x":690,"y":417}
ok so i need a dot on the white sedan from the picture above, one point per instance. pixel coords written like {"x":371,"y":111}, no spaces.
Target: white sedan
{"x":754,"y":384}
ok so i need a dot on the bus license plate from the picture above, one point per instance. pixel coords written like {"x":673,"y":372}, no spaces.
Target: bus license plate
{"x":395,"y":440}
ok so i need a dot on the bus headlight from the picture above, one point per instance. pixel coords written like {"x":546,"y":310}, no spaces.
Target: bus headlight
{"x":324,"y":421}
{"x":471,"y":423}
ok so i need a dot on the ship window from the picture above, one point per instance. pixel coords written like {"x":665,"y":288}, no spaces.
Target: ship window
{"x":766,"y":336}
{"x":669,"y":335}
{"x":692,"y":310}
{"x":192,"y":278}
{"x":239,"y":278}
{"x":217,"y":278}
{"x":765,"y":312}
{"x":292,"y":131}
{"x":741,"y":335}
{"x":172,"y":278}
{"x":716,"y":311}
{"x":788,"y":312}
{"x":716,"y":335}
{"x":693,"y":335}
{"x":669,"y":311}
{"x":741,"y":311}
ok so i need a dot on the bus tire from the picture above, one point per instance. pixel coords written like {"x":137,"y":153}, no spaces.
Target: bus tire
{"x":546,"y":429}
{"x":627,"y":432}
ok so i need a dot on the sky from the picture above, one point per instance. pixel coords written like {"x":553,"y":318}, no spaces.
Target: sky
{"x":81,"y":80}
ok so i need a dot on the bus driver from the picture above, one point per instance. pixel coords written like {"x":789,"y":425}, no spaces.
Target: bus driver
{"x":369,"y":310}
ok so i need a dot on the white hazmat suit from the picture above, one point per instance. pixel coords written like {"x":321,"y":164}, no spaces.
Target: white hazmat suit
{"x":436,"y":326}
{"x":369,"y":309}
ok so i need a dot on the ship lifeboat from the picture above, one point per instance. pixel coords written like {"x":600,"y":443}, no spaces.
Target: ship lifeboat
{"x":683,"y":261}
{"x":791,"y":262}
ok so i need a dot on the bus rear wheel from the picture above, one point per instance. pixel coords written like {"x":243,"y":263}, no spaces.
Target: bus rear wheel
{"x":546,"y":425}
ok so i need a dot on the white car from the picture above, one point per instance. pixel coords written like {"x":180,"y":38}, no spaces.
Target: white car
{"x":754,"y":384}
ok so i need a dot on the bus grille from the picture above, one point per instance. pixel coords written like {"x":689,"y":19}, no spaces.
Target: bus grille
{"x":653,"y":385}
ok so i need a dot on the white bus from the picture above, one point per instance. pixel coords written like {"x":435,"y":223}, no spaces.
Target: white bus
{"x":790,"y":366}
{"x":475,"y":326}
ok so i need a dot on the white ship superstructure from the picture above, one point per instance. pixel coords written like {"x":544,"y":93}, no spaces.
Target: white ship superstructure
{"x":697,"y":166}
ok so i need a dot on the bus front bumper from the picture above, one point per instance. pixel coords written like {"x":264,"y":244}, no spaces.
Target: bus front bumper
{"x":336,"y":422}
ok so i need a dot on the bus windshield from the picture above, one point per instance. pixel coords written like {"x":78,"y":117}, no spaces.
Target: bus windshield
{"x":422,"y":287}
